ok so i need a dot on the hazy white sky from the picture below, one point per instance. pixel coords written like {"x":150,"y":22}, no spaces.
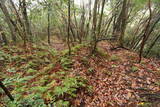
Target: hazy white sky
{"x":80,"y":2}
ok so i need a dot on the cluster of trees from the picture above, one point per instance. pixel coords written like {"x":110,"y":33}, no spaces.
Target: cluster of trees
{"x":132,"y":24}
{"x":129,"y":24}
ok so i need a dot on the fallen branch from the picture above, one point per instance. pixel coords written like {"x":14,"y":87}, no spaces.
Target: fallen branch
{"x":103,"y":39}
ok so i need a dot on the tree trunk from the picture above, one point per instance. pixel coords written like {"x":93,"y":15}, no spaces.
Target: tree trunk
{"x":69,"y":21}
{"x":82,"y":24}
{"x":120,"y":24}
{"x":8,"y":20}
{"x":48,"y":29}
{"x":89,"y":19}
{"x":26,"y":21}
{"x":17,"y":14}
{"x":123,"y":23}
{"x":151,"y":46}
{"x":100,"y":20}
{"x":6,"y":91}
{"x":3,"y":35}
{"x":146,"y":34}
{"x":76,"y":23}
{"x":94,"y":42}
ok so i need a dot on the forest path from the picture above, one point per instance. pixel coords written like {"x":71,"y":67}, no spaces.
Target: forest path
{"x":58,"y":44}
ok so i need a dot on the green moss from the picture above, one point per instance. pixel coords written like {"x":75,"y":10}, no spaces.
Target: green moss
{"x":84,"y":61}
{"x":102,"y":53}
{"x":134,"y":68}
{"x":114,"y":58}
{"x":77,"y":47}
{"x":157,"y":83}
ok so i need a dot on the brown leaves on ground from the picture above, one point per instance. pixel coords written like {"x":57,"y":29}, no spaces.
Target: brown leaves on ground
{"x":116,"y":79}
{"x":117,"y":82}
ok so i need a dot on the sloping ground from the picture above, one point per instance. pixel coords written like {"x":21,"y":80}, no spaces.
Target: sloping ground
{"x":113,"y":77}
{"x":117,"y":80}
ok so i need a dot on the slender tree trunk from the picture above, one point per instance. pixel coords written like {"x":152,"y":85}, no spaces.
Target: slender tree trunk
{"x":76,"y":23}
{"x":49,"y":42}
{"x":69,"y":19}
{"x":120,"y":25}
{"x":108,"y":25}
{"x":82,"y":24}
{"x":116,"y":21}
{"x":94,"y":27}
{"x":137,"y":30}
{"x":101,"y":17}
{"x":145,"y":35}
{"x":151,"y":46}
{"x":124,"y":20}
{"x":89,"y":19}
{"x":149,"y":28}
{"x":26,"y":21}
{"x":17,"y":14}
{"x":6,"y":91}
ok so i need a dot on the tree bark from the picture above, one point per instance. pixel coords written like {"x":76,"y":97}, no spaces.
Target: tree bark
{"x":120,"y":24}
{"x":123,"y":23}
{"x":8,"y":20}
{"x":17,"y":14}
{"x":26,"y":21}
{"x":6,"y":91}
{"x":69,"y":22}
{"x":48,"y":29}
{"x":94,"y":27}
{"x":152,"y":45}
{"x":146,"y":34}
{"x":3,"y":35}
{"x":101,"y":17}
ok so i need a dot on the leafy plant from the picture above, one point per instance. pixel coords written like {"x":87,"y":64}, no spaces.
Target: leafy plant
{"x":32,"y":100}
{"x":134,"y":69}
{"x":62,"y":103}
{"x":69,"y":86}
{"x":77,"y":47}
{"x":4,"y":56}
{"x":11,"y":70}
{"x":31,"y":71}
{"x":66,"y":62}
{"x":90,"y":71}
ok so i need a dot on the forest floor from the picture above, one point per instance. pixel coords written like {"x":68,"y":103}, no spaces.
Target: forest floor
{"x":113,"y":78}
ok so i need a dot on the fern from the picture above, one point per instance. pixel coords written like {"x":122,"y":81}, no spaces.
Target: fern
{"x":66,"y":62}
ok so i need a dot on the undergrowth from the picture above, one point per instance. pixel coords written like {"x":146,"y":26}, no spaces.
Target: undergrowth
{"x":38,"y":78}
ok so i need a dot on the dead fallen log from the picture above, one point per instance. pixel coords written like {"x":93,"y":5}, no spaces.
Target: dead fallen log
{"x":6,"y":91}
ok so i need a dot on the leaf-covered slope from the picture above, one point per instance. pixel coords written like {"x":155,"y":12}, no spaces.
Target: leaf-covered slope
{"x":40,"y":75}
